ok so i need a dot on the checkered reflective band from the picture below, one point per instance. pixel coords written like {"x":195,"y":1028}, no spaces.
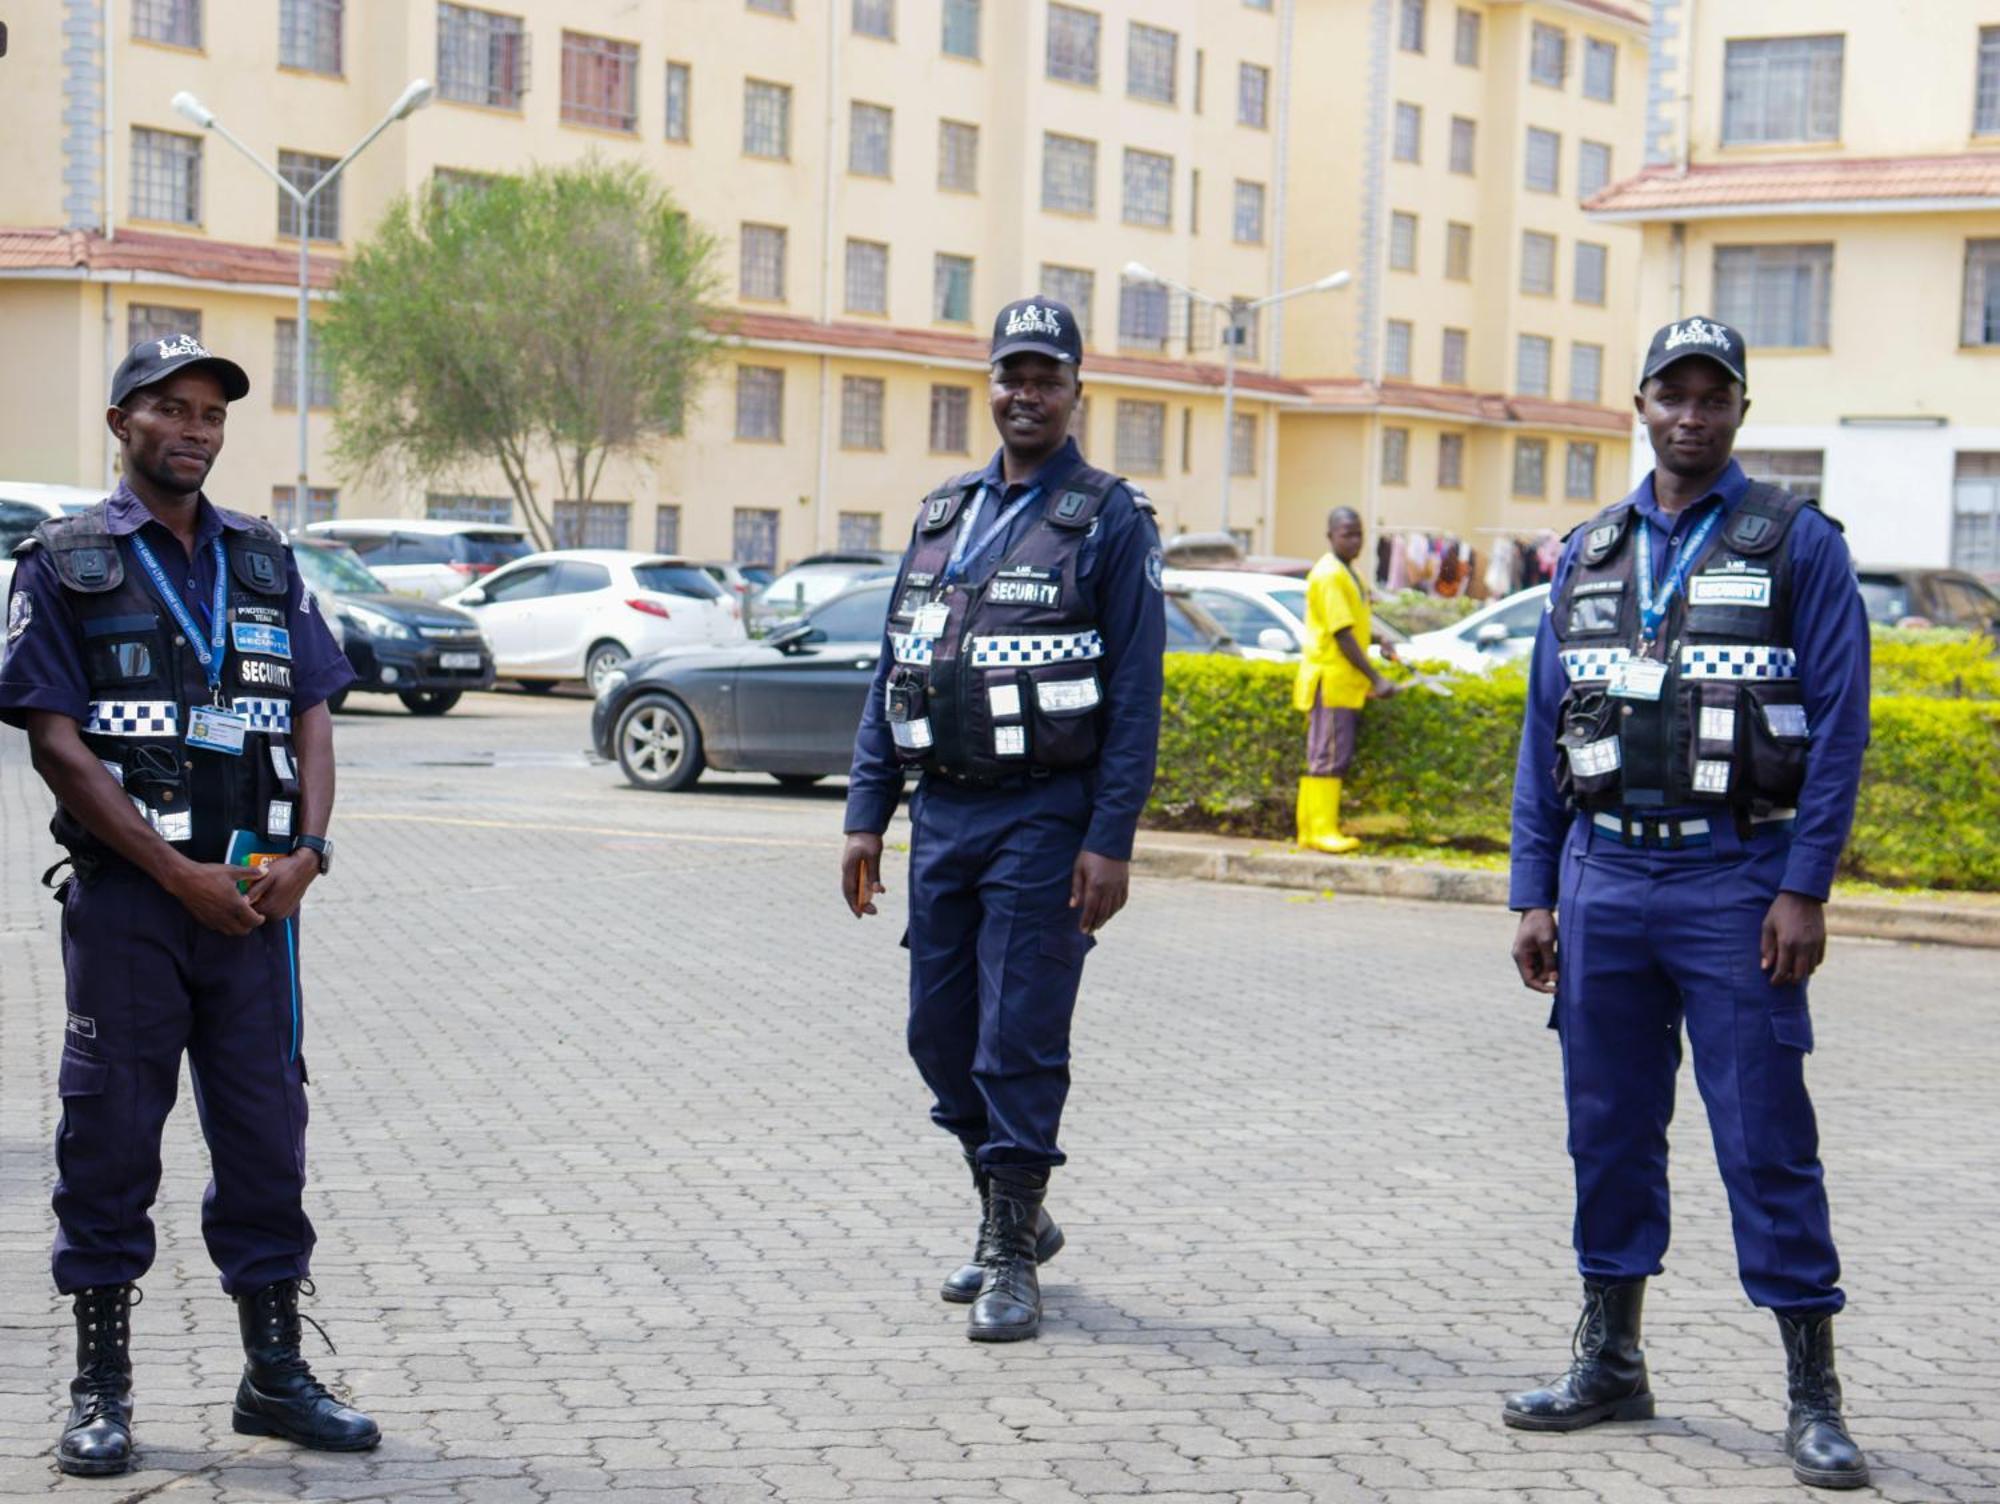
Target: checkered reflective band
{"x":133,"y":718}
{"x":1590,"y":665}
{"x":270,"y":716}
{"x":1595,"y":759}
{"x":1739,"y":663}
{"x":1061,"y":647}
{"x":912,"y":736}
{"x":907,"y":647}
{"x":1711,"y":776}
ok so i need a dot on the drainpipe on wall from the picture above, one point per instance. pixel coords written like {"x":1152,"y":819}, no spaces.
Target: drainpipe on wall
{"x":1374,"y":173}
{"x":823,"y":476}
{"x":1677,"y":251}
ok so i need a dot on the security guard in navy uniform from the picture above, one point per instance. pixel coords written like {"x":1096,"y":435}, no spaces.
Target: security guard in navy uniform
{"x":172,"y":676}
{"x":1021,"y":673}
{"x":1697,"y":714}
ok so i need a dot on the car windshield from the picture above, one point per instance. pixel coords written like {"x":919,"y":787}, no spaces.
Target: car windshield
{"x":336,"y":570}
{"x":858,"y":616}
{"x":488,"y":550}
{"x":1292,"y":600}
{"x":1885,"y":598}
{"x":802,"y":589}
{"x":676,"y":579}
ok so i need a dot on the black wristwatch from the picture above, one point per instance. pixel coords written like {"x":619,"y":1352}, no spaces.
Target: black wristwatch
{"x":320,"y":847}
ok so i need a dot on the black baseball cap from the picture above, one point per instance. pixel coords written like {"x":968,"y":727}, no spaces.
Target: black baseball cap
{"x":1037,"y":326}
{"x":154,"y":360}
{"x":1708,"y":338}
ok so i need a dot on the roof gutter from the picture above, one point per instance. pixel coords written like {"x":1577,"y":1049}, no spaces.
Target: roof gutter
{"x":1797,"y":209}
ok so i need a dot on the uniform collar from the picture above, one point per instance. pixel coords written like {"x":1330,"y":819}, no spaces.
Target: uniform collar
{"x":1053,"y":469}
{"x":125,"y":514}
{"x":1729,"y":489}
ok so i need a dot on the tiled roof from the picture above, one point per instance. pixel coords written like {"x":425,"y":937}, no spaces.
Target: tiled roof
{"x":195,"y":258}
{"x":1350,"y":394}
{"x":1723,"y":187}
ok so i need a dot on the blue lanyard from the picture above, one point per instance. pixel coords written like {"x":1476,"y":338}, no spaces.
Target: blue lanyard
{"x":956,"y":565}
{"x":1653,"y":608}
{"x":209,"y":654}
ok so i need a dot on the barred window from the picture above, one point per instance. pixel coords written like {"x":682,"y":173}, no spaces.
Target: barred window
{"x":1776,"y":294}
{"x":1548,"y":55}
{"x":867,"y":276}
{"x":860,"y":530}
{"x":1243,"y":444}
{"x":450,"y":184}
{"x":175,"y":22}
{"x":1079,"y":425}
{"x":1458,"y":252}
{"x":1600,"y":69}
{"x":1451,"y":360}
{"x":861,"y":412}
{"x":1533,"y":354}
{"x":869,"y":128}
{"x":1464,"y":144}
{"x":482,"y":57}
{"x":1975,"y":523}
{"x":1076,"y":287}
{"x":958,"y":156}
{"x":1249,"y":213}
{"x":1402,"y":242}
{"x":760,"y":412}
{"x":951,"y":419}
{"x":762,"y":263}
{"x":875,"y":18}
{"x":166,"y":176}
{"x":1591,"y":263}
{"x":1149,"y":188}
{"x":1069,"y":174}
{"x":1981,"y":321}
{"x":1143,"y":317}
{"x":154,"y":321}
{"x":600,"y":82}
{"x":1593,"y":168}
{"x":1247,"y":327}
{"x":444,"y":507}
{"x":1140,"y":441}
{"x":951,"y":289}
{"x":1465,"y":38}
{"x":1152,"y":54}
{"x":1451,"y":461}
{"x":1409,"y":142}
{"x":1986,"y":94}
{"x":1531,"y":465}
{"x":302,"y":170}
{"x":767,"y":119}
{"x":961,"y":28}
{"x":753,"y":535}
{"x":1073,"y":37}
{"x":1253,"y":95}
{"x":1396,"y":349}
{"x":285,"y":373}
{"x":1580,"y":472}
{"x":322,"y":505}
{"x":592,"y":524}
{"x":1782,"y":89}
{"x":309,"y":34}
{"x":1410,"y":26}
{"x":667,"y":528}
{"x":1538,"y":262}
{"x":1586,"y":372}
{"x":1395,"y":456}
{"x":680,"y":91}
{"x":1544,"y":161}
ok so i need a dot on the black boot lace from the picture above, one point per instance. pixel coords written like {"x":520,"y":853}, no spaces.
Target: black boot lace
{"x":105,"y":1368}
{"x":282,"y":1319}
{"x":1586,"y":1345}
{"x":1815,"y":1392}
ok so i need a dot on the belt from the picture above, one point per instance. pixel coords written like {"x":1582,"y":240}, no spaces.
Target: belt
{"x":1674,"y":835}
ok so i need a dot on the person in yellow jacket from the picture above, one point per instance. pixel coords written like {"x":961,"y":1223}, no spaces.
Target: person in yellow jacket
{"x":1335,"y":680}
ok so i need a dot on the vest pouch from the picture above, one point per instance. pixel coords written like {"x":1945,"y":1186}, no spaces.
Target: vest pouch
{"x":1709,"y":739}
{"x":157,"y":785}
{"x":1775,"y":740}
{"x":1596,"y":609}
{"x":906,"y":707}
{"x":1063,"y":707}
{"x":1589,"y":760}
{"x":997,"y":720}
{"x":275,"y":788}
{"x":122,"y":651}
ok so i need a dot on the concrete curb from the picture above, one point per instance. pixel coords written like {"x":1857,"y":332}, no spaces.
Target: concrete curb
{"x":1268,"y":864}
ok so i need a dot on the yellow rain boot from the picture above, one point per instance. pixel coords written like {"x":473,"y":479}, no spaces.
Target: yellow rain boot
{"x":1319,"y":817}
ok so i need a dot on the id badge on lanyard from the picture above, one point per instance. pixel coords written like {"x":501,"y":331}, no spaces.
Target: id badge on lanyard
{"x":215,"y":727}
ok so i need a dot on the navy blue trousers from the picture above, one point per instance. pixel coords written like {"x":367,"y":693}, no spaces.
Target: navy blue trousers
{"x":995,"y":959}
{"x":145,"y":983}
{"x":1651,"y":942}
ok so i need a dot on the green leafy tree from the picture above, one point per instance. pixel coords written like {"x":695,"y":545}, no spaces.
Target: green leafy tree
{"x":564,"y":313}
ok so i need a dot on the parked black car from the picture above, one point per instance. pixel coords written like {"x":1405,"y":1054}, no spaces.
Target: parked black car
{"x":424,"y":653}
{"x":786,"y":704}
{"x":1897,"y":596}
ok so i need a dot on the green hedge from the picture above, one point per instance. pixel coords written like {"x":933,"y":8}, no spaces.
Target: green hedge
{"x":1441,"y":770}
{"x":1936,"y":662}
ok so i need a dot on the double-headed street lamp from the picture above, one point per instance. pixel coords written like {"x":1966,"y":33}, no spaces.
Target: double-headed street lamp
{"x":414,"y":97}
{"x":1238,"y":312}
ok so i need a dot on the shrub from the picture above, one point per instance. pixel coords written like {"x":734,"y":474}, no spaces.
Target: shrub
{"x":1936,"y":661}
{"x":1414,"y":611}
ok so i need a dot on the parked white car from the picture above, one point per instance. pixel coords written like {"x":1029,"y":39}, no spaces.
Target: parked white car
{"x":24,"y":506}
{"x":1265,"y":613}
{"x":1493,"y":635}
{"x":578,"y":613}
{"x":425,"y":557}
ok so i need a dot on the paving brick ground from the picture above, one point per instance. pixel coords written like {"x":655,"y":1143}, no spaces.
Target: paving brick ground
{"x":625,"y":1189}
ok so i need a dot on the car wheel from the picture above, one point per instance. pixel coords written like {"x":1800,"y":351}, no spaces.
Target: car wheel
{"x":335,"y":701}
{"x":600,"y":661}
{"x":535,"y":686}
{"x":429,"y":701}
{"x":798,"y":780}
{"x":658,"y":744}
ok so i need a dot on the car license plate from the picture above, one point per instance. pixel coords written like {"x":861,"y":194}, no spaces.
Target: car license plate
{"x":458,"y":660}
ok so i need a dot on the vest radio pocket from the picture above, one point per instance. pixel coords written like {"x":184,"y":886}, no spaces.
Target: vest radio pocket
{"x":1589,"y":758}
{"x":1062,"y":717}
{"x":1595,"y":608}
{"x":1775,"y":740}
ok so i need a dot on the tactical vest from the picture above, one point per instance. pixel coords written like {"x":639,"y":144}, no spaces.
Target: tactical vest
{"x":1729,"y":725}
{"x":144,"y":679}
{"x":996,"y":679}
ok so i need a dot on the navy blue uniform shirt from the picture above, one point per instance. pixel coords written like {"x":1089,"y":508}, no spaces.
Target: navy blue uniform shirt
{"x":43,"y":668}
{"x":1830,"y":633}
{"x":1131,"y":616}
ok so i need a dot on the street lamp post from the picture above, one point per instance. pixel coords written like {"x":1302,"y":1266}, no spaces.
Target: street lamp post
{"x":415,"y":96}
{"x":1238,"y":312}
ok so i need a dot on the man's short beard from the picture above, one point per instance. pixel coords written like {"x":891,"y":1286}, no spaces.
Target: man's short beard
{"x":167,"y":483}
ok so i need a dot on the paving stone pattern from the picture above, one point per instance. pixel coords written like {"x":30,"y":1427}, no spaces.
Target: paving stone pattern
{"x":625,"y":1188}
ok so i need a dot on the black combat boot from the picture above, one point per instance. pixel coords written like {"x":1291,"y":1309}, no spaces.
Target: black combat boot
{"x":279,"y":1395}
{"x":962,"y":1287}
{"x":1607,"y":1374}
{"x":1009,"y":1307}
{"x":1816,"y":1438}
{"x":97,"y":1438}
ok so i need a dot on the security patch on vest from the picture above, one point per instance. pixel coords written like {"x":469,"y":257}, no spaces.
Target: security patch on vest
{"x":1600,"y":587}
{"x":265,"y":616}
{"x":256,"y":637}
{"x":1730,"y":589}
{"x":1156,"y":570}
{"x":1024,"y":593}
{"x":20,"y":612}
{"x":256,"y":673}
{"x":919,"y":579}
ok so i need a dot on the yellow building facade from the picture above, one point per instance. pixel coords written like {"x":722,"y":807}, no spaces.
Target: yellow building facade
{"x":883,"y":175}
{"x":1827,"y":179}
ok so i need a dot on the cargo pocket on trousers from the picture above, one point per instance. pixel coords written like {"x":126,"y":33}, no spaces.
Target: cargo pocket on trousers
{"x":1064,"y":944}
{"x":80,"y":1076}
{"x":1792,"y":1028}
